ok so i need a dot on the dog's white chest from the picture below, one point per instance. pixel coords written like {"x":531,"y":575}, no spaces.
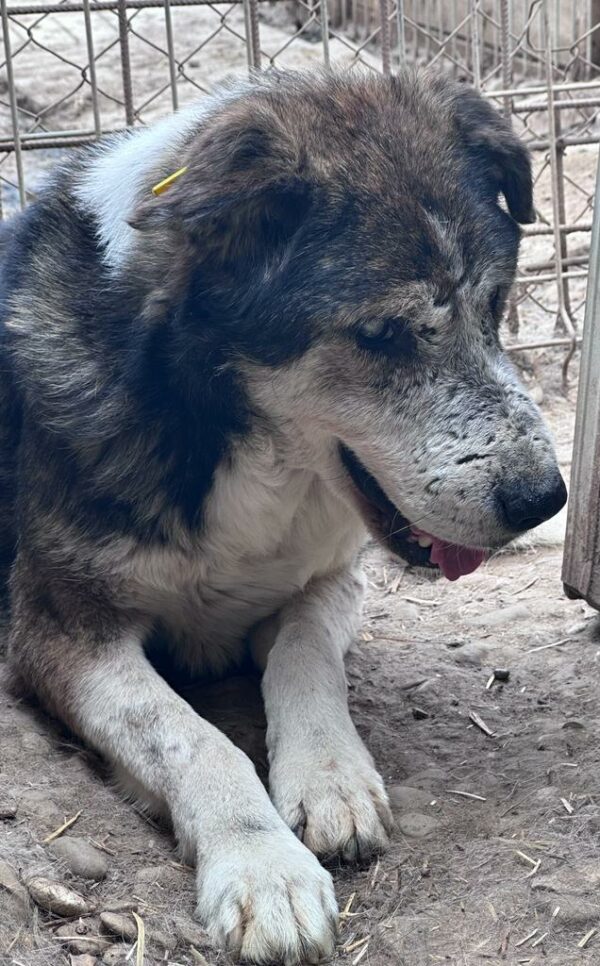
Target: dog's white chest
{"x":267,"y":533}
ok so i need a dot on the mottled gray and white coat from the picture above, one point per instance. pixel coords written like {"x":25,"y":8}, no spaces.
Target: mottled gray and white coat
{"x":210,"y":398}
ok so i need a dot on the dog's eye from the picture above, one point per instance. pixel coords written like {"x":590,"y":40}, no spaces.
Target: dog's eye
{"x":390,"y":336}
{"x":376,"y":332}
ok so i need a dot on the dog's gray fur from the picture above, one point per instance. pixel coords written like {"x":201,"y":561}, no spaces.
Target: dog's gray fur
{"x":180,"y":374}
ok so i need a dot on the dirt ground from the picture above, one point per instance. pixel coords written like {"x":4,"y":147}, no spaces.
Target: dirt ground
{"x":496,"y":854}
{"x":496,"y":834}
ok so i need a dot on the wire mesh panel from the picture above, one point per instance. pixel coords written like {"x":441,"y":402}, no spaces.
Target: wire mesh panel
{"x":76,"y":69}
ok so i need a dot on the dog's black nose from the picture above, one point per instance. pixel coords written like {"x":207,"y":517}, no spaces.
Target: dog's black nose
{"x":523,"y":505}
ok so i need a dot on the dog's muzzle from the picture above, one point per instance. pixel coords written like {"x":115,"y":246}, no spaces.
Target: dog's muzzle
{"x":523,"y":505}
{"x":391,"y":528}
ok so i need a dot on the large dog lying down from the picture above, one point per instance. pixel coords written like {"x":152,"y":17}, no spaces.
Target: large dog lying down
{"x":211,"y":397}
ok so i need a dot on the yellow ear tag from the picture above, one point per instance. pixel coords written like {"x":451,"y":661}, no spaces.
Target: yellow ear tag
{"x":163,"y":185}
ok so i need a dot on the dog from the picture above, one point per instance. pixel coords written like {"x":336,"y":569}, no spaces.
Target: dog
{"x":213,"y":394}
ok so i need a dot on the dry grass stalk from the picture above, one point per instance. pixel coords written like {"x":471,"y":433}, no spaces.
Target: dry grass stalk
{"x":585,"y":939}
{"x":362,"y":953}
{"x":350,"y":947}
{"x":567,"y":806}
{"x":526,"y":938}
{"x":14,"y":940}
{"x":540,"y":939}
{"x":374,"y":874}
{"x":545,"y":647}
{"x":527,"y":858}
{"x":62,"y":828}
{"x":345,"y":913}
{"x":141,"y":939}
{"x":102,"y":847}
{"x":420,"y":600}
{"x":521,"y":590}
{"x":477,"y":798}
{"x":480,"y":723}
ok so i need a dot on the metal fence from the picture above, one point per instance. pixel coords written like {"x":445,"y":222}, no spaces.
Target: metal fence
{"x":76,"y":69}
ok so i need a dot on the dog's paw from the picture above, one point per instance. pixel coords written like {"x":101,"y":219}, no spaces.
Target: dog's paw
{"x":267,"y":900}
{"x":337,"y":805}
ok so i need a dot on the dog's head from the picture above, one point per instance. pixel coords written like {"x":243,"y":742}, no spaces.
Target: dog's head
{"x":360,"y":238}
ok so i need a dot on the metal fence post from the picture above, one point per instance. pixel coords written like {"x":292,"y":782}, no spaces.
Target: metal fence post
{"x":14,"y":109}
{"x":125,"y":62}
{"x":89,"y":39}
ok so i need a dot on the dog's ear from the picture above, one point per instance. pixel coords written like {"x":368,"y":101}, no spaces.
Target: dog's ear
{"x":491,"y":142}
{"x":245,"y":189}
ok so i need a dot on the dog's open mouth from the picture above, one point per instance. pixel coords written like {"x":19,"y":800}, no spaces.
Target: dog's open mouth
{"x":387,"y":523}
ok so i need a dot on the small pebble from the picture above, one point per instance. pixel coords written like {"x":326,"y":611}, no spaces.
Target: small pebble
{"x":406,"y":612}
{"x":33,"y":741}
{"x":419,"y":714}
{"x":189,"y":932}
{"x":120,"y":905}
{"x":7,"y":812}
{"x":427,"y":778}
{"x":537,"y":393}
{"x":151,"y":874}
{"x":55,"y":897}
{"x":17,"y":893}
{"x":548,"y":795}
{"x":501,"y":673}
{"x":574,"y":910}
{"x":115,"y":955}
{"x":162,"y":939}
{"x":44,"y":809}
{"x":119,"y":925}
{"x":502,"y":615}
{"x":417,"y":825}
{"x":554,"y":741}
{"x":405,"y":798}
{"x":80,"y":858}
{"x":84,"y":960}
{"x":473,"y":653}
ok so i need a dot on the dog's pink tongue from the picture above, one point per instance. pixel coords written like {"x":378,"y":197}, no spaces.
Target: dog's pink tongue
{"x":453,"y":560}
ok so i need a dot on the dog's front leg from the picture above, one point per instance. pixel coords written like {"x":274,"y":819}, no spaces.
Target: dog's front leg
{"x":322,"y":778}
{"x":261,"y":892}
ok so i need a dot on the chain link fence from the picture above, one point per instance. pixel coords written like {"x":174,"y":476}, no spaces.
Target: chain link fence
{"x":74,"y":70}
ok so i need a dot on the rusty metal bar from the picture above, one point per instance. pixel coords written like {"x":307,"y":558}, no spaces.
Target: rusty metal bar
{"x":125,"y":62}
{"x":248,"y":33}
{"x":253,"y":37}
{"x":564,"y":320}
{"x":475,"y":50}
{"x":76,"y":6}
{"x":505,"y":58}
{"x":401,"y":43}
{"x":325,"y":32}
{"x":171,"y":51}
{"x":386,"y":56}
{"x":89,"y":39}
